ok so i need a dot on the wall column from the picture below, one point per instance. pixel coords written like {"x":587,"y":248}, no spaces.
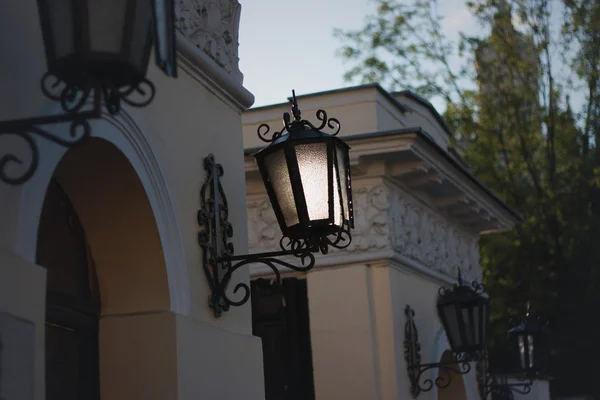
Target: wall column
{"x":344,"y":343}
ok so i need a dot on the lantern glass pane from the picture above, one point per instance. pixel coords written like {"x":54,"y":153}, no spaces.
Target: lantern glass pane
{"x":341,"y":166}
{"x":477,"y":310}
{"x":467,"y":316}
{"x":338,"y":216}
{"x":279,"y":178}
{"x":484,"y":316}
{"x":453,"y":331}
{"x":312,"y":163}
{"x":107,"y":25}
{"x":530,"y":349}
{"x":521,"y":350}
{"x":142,"y":24}
{"x":60,"y":13}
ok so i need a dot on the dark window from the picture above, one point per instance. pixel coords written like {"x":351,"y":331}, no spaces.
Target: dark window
{"x":72,"y":301}
{"x":280,"y":318}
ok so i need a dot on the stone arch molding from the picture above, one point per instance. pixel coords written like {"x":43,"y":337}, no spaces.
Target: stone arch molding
{"x":127,"y":135}
{"x":441,"y":344}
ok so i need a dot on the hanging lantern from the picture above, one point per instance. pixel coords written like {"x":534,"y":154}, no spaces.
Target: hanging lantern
{"x":91,"y":42}
{"x":531,"y":340}
{"x":464,"y":313}
{"x":306,"y":173}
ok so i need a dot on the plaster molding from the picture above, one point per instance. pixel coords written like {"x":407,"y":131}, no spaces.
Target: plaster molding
{"x":213,"y":27}
{"x":423,"y":235}
{"x":386,"y":218}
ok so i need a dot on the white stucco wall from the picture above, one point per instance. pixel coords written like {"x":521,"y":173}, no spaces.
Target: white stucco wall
{"x":165,"y":143}
{"x":414,"y":228}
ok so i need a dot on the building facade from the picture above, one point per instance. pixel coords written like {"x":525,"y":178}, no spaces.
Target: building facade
{"x":419,"y":213}
{"x":102,"y":293}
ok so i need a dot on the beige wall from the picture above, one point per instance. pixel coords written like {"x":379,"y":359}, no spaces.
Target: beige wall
{"x":405,"y":245}
{"x":162,"y":146}
{"x":360,"y":111}
{"x":23,"y":295}
{"x":357,"y":329}
{"x":343,"y":338}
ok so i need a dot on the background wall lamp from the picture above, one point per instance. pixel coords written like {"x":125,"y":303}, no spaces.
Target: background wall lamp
{"x":96,"y":50}
{"x":464,"y":313}
{"x":529,"y":340}
{"x":306,"y":174}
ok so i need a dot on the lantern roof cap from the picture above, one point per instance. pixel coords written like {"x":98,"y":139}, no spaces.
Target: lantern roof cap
{"x":531,"y":325}
{"x":300,"y":129}
{"x":462,"y":292}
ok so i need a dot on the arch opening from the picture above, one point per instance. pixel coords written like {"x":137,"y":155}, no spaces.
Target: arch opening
{"x":99,"y":241}
{"x":456,"y":389}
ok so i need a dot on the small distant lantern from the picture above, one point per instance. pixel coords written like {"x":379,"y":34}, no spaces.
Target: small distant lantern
{"x":306,"y":173}
{"x":91,"y":42}
{"x":464,"y":313}
{"x":532,"y":340}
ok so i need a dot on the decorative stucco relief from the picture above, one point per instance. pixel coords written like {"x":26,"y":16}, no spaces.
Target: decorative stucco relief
{"x":371,"y":227}
{"x":213,"y":26}
{"x":424,"y":236}
{"x":385,"y":218}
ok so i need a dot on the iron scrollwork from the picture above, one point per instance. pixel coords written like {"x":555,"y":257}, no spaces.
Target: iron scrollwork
{"x":72,"y":100}
{"x":219,"y":261}
{"x":412,"y":354}
{"x":290,"y":125}
{"x":498,"y":386}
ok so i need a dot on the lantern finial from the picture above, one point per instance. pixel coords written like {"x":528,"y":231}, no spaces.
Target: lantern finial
{"x":295,"y":108}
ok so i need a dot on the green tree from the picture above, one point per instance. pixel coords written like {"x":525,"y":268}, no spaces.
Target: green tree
{"x":507,"y":98}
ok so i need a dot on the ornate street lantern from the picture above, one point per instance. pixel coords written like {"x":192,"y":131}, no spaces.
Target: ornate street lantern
{"x":531,"y":339}
{"x":87,"y":41}
{"x":464,"y":313}
{"x":106,"y":44}
{"x":306,"y":173}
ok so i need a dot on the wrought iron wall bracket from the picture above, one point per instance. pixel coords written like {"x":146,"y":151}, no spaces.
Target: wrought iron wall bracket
{"x":73,"y":101}
{"x":416,"y":370}
{"x":498,"y":385}
{"x":506,"y":390}
{"x":219,"y":261}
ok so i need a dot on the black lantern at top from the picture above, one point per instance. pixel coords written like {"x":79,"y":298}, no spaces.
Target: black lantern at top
{"x":531,"y":339}
{"x":464,"y":313}
{"x":95,"y":49}
{"x":306,"y":173}
{"x":108,"y":42}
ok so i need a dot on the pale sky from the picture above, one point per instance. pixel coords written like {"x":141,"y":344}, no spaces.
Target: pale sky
{"x":287,"y":45}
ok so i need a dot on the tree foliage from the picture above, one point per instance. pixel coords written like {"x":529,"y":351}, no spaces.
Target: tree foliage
{"x":508,"y":95}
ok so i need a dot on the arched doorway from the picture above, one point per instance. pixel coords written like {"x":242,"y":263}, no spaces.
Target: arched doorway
{"x":106,"y":273}
{"x":72,"y":301}
{"x":456,"y":390}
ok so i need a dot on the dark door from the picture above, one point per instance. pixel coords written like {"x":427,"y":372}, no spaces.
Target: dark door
{"x":72,"y":302}
{"x":280,"y":318}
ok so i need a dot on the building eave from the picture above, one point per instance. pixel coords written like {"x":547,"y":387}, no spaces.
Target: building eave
{"x":425,"y":103}
{"x":376,"y":86}
{"x":415,"y":161}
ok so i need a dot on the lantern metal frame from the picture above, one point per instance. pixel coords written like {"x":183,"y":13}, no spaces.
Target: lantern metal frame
{"x":536,"y":356}
{"x":462,"y":294}
{"x":300,"y":131}
{"x":75,"y":97}
{"x":498,"y":384}
{"x":412,"y":354}
{"x":463,"y":357}
{"x":219,"y":261}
